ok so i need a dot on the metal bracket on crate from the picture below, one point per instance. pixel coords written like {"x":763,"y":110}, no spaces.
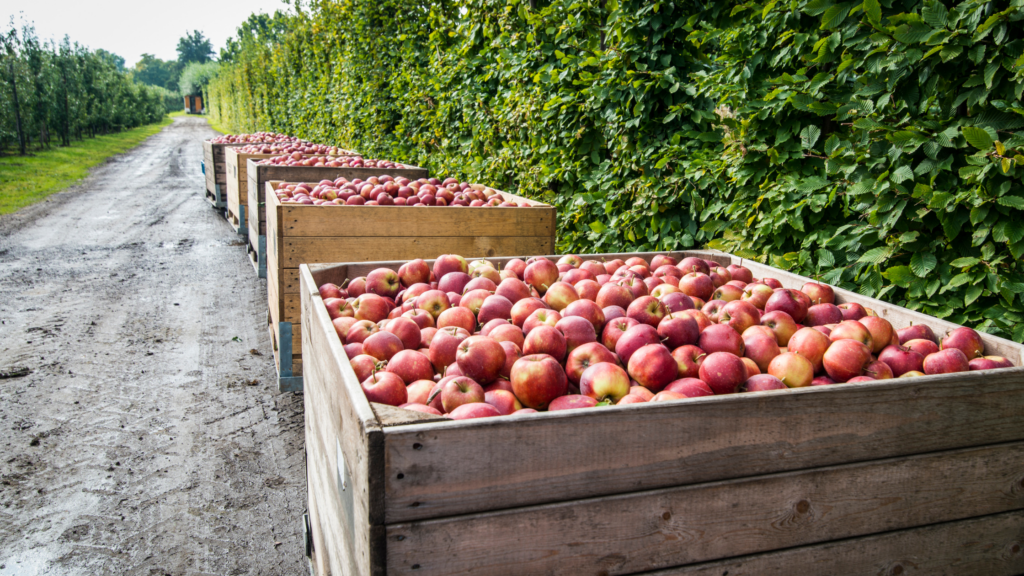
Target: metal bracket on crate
{"x":261,"y":257}
{"x":307,"y":535}
{"x":202,"y":164}
{"x":243,"y":224}
{"x":286,"y":382}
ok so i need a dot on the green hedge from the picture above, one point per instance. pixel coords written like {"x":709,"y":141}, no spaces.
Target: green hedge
{"x":854,"y":139}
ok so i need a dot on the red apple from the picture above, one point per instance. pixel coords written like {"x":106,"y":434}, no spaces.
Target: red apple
{"x":343,"y":324}
{"x":989,"y":363}
{"x":446,"y":263}
{"x":460,"y":390}
{"x":822,"y":381}
{"x":414,"y":272}
{"x":881,"y":332}
{"x":693,"y":264}
{"x":338,"y":308}
{"x":633,"y":339}
{"x":819,"y":293}
{"x":740,"y":273}
{"x":946,"y":361}
{"x":740,"y":315}
{"x":647,"y":310}
{"x":721,"y":338}
{"x":495,"y":307}
{"x":420,"y":407}
{"x":363,"y":366}
{"x":360,"y":331}
{"x":577,"y":331}
{"x":678,"y":330}
{"x":782,"y":324}
{"x":516,"y":266}
{"x":794,"y":370}
{"x":545,"y":339}
{"x":922,"y":347}
{"x":853,"y":311}
{"x":851,"y":330}
{"x":422,"y":318}
{"x":474,"y":410}
{"x":689,"y":387}
{"x":901,"y":360}
{"x":383,"y":282}
{"x":824,"y":313}
{"x":762,"y":383}
{"x":589,"y":311}
{"x":762,"y":349}
{"x":382,"y":345}
{"x":508,"y":333}
{"x":537,"y":380}
{"x":688,"y":360}
{"x":504,"y":400}
{"x":406,"y":330}
{"x":540,"y":274}
{"x":667,"y":396}
{"x":604,"y":381}
{"x":410,"y":366}
{"x":418,"y":392}
{"x":585,"y":356}
{"x":524,"y":308}
{"x":723,"y":372}
{"x":571,"y":402}
{"x":878,"y":370}
{"x":330,"y":290}
{"x":614,"y":295}
{"x":966,"y":340}
{"x":433,"y":302}
{"x":653,"y":367}
{"x":460,"y":317}
{"x":752,"y":369}
{"x":559,"y":295}
{"x":757,"y":294}
{"x":445,"y":346}
{"x":916,"y":332}
{"x":792,"y":302}
{"x":480,"y":284}
{"x":541,"y":317}
{"x":846,"y":359}
{"x":513,"y":289}
{"x":480,"y":358}
{"x":614,"y":329}
{"x":727,"y":293}
{"x":677,"y":302}
{"x":810,"y":344}
{"x":385,"y":388}
{"x":697,"y":285}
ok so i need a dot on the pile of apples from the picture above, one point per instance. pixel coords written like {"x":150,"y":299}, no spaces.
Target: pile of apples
{"x":332,"y":160}
{"x":257,"y":137}
{"x":293,"y":148}
{"x":466,"y":340}
{"x":389,"y":191}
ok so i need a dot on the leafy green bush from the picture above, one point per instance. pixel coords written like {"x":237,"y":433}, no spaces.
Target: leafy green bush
{"x":852,"y":139}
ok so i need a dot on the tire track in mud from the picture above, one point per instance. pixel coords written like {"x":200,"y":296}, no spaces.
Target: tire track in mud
{"x":136,"y":444}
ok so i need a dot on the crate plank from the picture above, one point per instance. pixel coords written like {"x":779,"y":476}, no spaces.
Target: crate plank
{"x":986,"y":546}
{"x":321,"y":552}
{"x":345,"y":432}
{"x":663,"y":528}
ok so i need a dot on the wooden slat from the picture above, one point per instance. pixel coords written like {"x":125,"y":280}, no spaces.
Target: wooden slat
{"x":986,"y":546}
{"x":321,"y":551}
{"x":394,"y":416}
{"x":657,"y":529}
{"x":390,"y":221}
{"x":295,"y":251}
{"x":342,"y":422}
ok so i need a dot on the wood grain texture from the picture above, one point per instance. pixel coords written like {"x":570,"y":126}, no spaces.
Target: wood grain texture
{"x":690,"y":441}
{"x":342,"y":422}
{"x":657,"y":529}
{"x":389,"y":222}
{"x":986,"y":546}
{"x":237,"y":180}
{"x":394,"y":416}
{"x":321,"y":551}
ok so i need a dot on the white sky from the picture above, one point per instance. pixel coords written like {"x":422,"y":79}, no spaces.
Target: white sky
{"x":130,"y":28}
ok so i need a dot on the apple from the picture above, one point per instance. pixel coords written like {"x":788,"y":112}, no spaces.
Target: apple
{"x":357,"y":287}
{"x":853,"y":311}
{"x":406,"y":330}
{"x":508,"y":333}
{"x":382,"y":345}
{"x":647,"y":310}
{"x":678,"y":330}
{"x":604,"y":381}
{"x":612,"y":313}
{"x":901,"y":360}
{"x":504,"y":400}
{"x":762,"y":349}
{"x":633,"y":339}
{"x":762,"y":383}
{"x":433,"y":302}
{"x":588,"y":310}
{"x":585,"y":356}
{"x":752,"y":369}
{"x":343,"y":324}
{"x":702,"y":320}
{"x":822,"y":381}
{"x":794,"y":370}
{"x":542,"y":317}
{"x":741,"y":273}
{"x":330,"y":290}
{"x":614,"y":295}
{"x":688,"y":360}
{"x":989,"y":363}
{"x":846,"y":359}
{"x":693,"y":264}
{"x":427,"y":336}
{"x":782,"y":324}
{"x":912,"y":374}
{"x":385,"y":388}
{"x":571,"y":402}
{"x":810,"y":344}
{"x":721,"y":338}
{"x":667,"y":396}
{"x":559,"y":295}
{"x":446,"y":263}
{"x":480,"y":284}
{"x":819,"y":293}
{"x":772,"y":283}
{"x":879,"y":370}
{"x":486,"y":329}
{"x":587,"y":289}
{"x":740,"y":315}
{"x":634,"y":284}
{"x":516,"y":266}
{"x":474,"y":410}
{"x":757,"y":294}
{"x":480,"y":358}
{"x":677,"y":302}
{"x":661,"y":290}
{"x":851,"y":330}
{"x":410,"y":366}
{"x":339,"y":308}
{"x":638,"y":390}
{"x":881,"y":332}
{"x":444,"y":346}
{"x":697,"y":285}
{"x":370,"y":307}
{"x":946,"y":361}
{"x":420,"y":407}
{"x":513,"y":289}
{"x":727,"y":293}
{"x":544,"y":339}
{"x":857,"y":379}
{"x":660,"y":260}
{"x":422,"y":318}
{"x":494,"y":307}
{"x":689,"y":387}
{"x":537,"y":379}
{"x":966,"y":340}
{"x":414,"y":272}
{"x":712,"y":309}
{"x":541,"y":274}
{"x":418,"y":392}
{"x":460,"y":390}
{"x":577,"y":331}
{"x":383,"y":282}
{"x":758,"y":329}
{"x":792,"y":302}
{"x":922,"y":347}
{"x":720,"y":276}
{"x":614,"y":329}
{"x":459,"y":316}
{"x":916,"y":332}
{"x":363,"y":366}
{"x":653,"y":367}
{"x":824,"y":313}
{"x":360,"y":331}
{"x":524,"y":308}
{"x":723,"y":372}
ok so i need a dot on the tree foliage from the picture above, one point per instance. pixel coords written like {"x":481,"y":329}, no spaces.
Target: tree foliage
{"x":194,"y":47}
{"x":61,"y":91}
{"x":195,"y":77}
{"x":156,"y":72}
{"x":873,"y":143}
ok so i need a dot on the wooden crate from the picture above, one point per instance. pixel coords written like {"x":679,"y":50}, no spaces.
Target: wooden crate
{"x":304,"y":234}
{"x":907,"y":476}
{"x":238,"y":187}
{"x":260,"y":174}
{"x":215,"y":169}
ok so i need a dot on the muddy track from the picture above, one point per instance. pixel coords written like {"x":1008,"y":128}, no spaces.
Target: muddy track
{"x":147,"y":436}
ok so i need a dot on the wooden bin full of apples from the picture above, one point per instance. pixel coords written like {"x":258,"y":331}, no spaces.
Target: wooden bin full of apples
{"x":215,"y":166}
{"x":685,"y":413}
{"x":332,"y":221}
{"x":305,"y":168}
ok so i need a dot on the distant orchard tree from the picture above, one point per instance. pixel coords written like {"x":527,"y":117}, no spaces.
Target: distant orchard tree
{"x":112,"y":58}
{"x":194,"y":47}
{"x":156,"y":72}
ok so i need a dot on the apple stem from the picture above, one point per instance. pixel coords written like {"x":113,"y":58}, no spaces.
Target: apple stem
{"x":345,"y":283}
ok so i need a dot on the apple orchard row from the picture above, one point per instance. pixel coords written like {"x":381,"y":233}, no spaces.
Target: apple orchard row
{"x":468,"y":340}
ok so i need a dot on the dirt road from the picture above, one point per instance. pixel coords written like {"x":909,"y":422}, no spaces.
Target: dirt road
{"x":148,"y":437}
